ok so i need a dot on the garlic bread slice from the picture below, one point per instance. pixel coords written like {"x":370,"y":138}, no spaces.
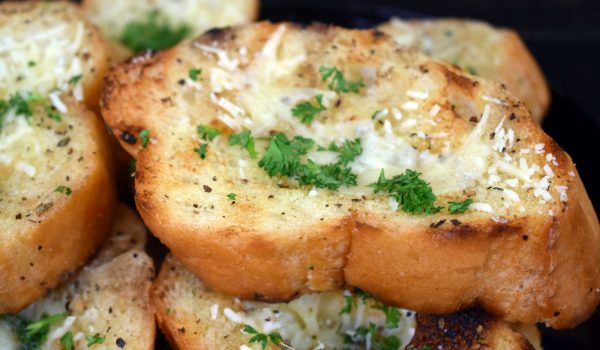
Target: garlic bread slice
{"x":56,"y":193}
{"x":274,"y":159}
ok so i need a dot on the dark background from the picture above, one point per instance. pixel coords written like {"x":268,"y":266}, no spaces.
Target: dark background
{"x":563,"y":35}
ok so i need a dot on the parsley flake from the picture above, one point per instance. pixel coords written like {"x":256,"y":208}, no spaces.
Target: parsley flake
{"x":306,"y":111}
{"x":67,"y":341}
{"x":330,"y":176}
{"x":22,"y":105}
{"x":201,"y":151}
{"x":262,"y":338}
{"x":283,"y":155}
{"x":75,"y":79}
{"x":53,"y":114}
{"x":207,"y":133}
{"x":32,"y":335}
{"x":144,"y":137}
{"x":392,"y":314}
{"x":194,"y":73}
{"x":231,"y":196}
{"x":338,"y":83}
{"x":414,"y":195}
{"x":459,"y":207}
{"x":63,"y":189}
{"x":31,"y":64}
{"x":245,"y":140}
{"x":349,"y":301}
{"x":94,"y":339}
{"x":152,"y":34}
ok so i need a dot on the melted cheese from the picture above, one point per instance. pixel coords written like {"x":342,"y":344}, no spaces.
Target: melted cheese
{"x":43,"y":61}
{"x":314,"y":319}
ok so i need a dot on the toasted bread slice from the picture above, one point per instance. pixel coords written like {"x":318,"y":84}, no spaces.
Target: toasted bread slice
{"x":496,"y":54}
{"x":56,"y":196}
{"x":50,"y":46}
{"x":194,"y":317}
{"x":183,"y":18}
{"x":109,"y":299}
{"x":527,"y":248}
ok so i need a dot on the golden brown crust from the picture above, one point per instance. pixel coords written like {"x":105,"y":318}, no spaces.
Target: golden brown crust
{"x":429,"y":264}
{"x":496,"y":54}
{"x":65,"y":235}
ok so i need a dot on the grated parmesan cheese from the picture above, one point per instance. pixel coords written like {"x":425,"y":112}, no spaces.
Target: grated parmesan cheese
{"x":419,"y":95}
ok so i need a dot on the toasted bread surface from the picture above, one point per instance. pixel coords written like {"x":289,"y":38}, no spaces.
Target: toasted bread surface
{"x":109,"y":298}
{"x":527,"y":249}
{"x":194,"y":317}
{"x":196,"y":16}
{"x":496,"y":54}
{"x":56,"y":198}
{"x":50,"y":46}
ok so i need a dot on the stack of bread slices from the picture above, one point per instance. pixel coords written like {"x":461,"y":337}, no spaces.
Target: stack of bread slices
{"x":317,"y":187}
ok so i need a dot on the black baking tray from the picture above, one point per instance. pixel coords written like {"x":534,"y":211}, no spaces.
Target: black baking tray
{"x":573,"y":129}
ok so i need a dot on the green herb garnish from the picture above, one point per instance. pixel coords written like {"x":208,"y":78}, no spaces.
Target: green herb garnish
{"x":245,"y":140}
{"x":338,"y":83}
{"x":74,"y":79}
{"x":201,"y":151}
{"x":330,"y":176}
{"x":32,"y":335}
{"x":262,"y":338}
{"x":67,"y":341}
{"x":283,"y":155}
{"x":21,"y":104}
{"x":53,"y":114}
{"x":306,"y":111}
{"x":194,"y":73}
{"x":348,"y":302}
{"x":31,"y":64}
{"x":94,"y":339}
{"x":144,"y":137}
{"x":207,"y":133}
{"x":459,"y":207}
{"x":231,"y":196}
{"x":392,"y":314}
{"x":63,"y":189}
{"x":414,"y":195}
{"x":152,"y":34}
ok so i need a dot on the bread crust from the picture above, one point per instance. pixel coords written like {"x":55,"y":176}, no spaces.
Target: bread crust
{"x":37,"y":255}
{"x":511,"y":62}
{"x":427,"y":264}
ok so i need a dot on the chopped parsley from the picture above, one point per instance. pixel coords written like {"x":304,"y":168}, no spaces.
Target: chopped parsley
{"x":32,"y":335}
{"x":67,"y":341}
{"x":207,"y":133}
{"x":201,"y":151}
{"x":31,"y":64}
{"x":459,"y":207}
{"x":194,"y":73}
{"x":283,"y":155}
{"x":22,"y":105}
{"x":94,"y":339}
{"x":152,"y":34}
{"x":330,"y":176}
{"x":375,"y":114}
{"x":338,"y":83}
{"x":245,"y":140}
{"x":283,"y":158}
{"x":144,"y":137}
{"x":231,"y":196}
{"x":363,"y":334}
{"x":75,"y":79}
{"x":53,"y":114}
{"x":63,"y":189}
{"x":307,"y":111}
{"x":262,"y":338}
{"x":414,"y":195}
{"x":348,"y":302}
{"x":392,"y":314}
